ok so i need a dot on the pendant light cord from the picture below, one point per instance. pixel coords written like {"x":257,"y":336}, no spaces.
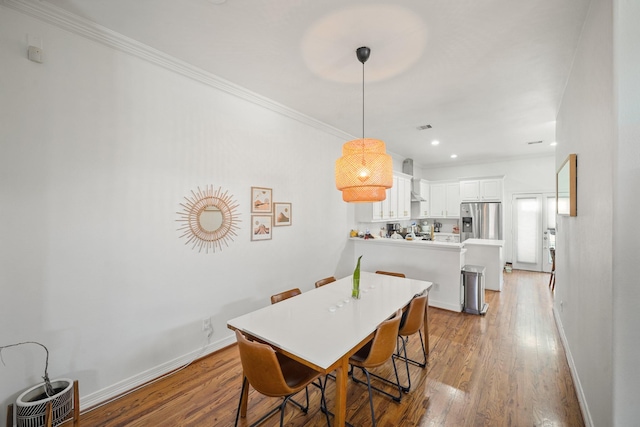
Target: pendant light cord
{"x":363,"y":103}
{"x":363,"y":160}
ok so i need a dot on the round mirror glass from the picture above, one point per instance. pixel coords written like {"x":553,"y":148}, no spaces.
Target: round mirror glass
{"x":210,"y":218}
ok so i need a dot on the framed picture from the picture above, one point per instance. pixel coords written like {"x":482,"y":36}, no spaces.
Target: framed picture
{"x":261,"y":227}
{"x":566,"y":187}
{"x":261,"y":200}
{"x":281,"y":214}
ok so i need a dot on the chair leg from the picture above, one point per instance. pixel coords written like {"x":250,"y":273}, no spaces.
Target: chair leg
{"x":397,"y":398}
{"x":407,"y":360}
{"x":370,"y":387}
{"x":373,"y":414}
{"x":244,"y":385}
{"x":323,"y":401}
{"x":304,"y":409}
{"x":281,"y":407}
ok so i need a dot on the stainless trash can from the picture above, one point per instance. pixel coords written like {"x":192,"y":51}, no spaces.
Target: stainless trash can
{"x":472,"y":277}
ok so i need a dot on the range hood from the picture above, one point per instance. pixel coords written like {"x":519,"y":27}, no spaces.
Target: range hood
{"x":407,"y":167}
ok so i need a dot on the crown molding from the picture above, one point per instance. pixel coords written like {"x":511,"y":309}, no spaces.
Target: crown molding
{"x":83,"y":27}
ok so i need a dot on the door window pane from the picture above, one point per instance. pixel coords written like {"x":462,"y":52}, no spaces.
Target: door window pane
{"x":528,"y":229}
{"x":551,"y":212}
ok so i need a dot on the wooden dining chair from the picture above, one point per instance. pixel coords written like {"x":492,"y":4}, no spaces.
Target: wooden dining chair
{"x":411,"y":323}
{"x":325,"y":281}
{"x":390,"y":273}
{"x":285,"y":295}
{"x":273,"y":374}
{"x":375,"y":353}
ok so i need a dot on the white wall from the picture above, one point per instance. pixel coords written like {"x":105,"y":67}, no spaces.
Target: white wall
{"x":626,"y":205}
{"x":99,"y":147}
{"x":528,"y":175}
{"x":584,"y":268}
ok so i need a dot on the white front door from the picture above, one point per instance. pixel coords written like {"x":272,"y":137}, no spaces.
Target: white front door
{"x":533,"y":217}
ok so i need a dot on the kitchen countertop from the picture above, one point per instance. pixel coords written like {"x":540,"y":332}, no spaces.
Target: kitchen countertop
{"x":416,"y":243}
{"x":484,"y":242}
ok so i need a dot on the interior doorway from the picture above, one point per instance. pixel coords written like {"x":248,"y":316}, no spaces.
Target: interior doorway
{"x":534,"y":223}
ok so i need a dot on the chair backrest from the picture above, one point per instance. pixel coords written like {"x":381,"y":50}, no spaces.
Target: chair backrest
{"x":384,"y":342}
{"x":324,"y":281}
{"x":414,"y":316}
{"x":285,"y":295}
{"x":261,"y":367}
{"x":390,"y":273}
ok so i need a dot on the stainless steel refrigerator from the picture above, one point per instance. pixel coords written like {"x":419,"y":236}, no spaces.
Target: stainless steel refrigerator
{"x":480,"y":220}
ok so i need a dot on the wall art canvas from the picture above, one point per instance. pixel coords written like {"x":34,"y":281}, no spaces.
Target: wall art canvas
{"x":261,"y":227}
{"x":261,"y":200}
{"x":281,"y":214}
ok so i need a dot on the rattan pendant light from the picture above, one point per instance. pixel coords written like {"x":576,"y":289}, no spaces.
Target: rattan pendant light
{"x":365,"y":170}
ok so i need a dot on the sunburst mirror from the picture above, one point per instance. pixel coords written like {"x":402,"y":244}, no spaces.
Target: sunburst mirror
{"x":209,"y":219}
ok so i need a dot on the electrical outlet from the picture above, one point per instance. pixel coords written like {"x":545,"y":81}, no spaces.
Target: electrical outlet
{"x":206,"y":324}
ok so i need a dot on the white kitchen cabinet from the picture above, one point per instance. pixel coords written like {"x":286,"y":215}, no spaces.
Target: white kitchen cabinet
{"x":396,"y":206}
{"x":470,"y":190}
{"x":491,"y":190}
{"x":452,"y":193}
{"x":380,"y":210}
{"x":404,"y":197}
{"x":481,"y":190}
{"x":444,"y":200}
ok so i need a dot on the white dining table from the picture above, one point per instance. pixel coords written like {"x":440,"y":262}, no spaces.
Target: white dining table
{"x":323,"y":327}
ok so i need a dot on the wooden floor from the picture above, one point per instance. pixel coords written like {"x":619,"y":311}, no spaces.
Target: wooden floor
{"x":507,"y":368}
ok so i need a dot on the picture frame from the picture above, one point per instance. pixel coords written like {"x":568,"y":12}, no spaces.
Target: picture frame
{"x":261,"y":227}
{"x":261,"y":200}
{"x":281,"y":214}
{"x":567,"y":186}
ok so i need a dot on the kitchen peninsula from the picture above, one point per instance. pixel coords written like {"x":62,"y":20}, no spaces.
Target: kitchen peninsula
{"x":436,"y":262}
{"x":433,"y":261}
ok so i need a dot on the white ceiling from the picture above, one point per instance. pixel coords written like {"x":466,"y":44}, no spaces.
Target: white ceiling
{"x":488,"y":75}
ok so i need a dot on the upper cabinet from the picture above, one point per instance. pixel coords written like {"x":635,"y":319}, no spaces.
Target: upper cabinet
{"x":404,"y":196}
{"x":396,"y":206}
{"x":481,"y":190}
{"x":444,"y":199}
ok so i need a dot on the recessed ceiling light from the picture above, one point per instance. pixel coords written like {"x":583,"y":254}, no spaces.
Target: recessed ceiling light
{"x":553,"y":144}
{"x":453,"y":156}
{"x":435,"y":142}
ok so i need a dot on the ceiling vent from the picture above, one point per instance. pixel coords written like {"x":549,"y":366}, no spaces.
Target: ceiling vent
{"x":534,"y":142}
{"x":423,"y":127}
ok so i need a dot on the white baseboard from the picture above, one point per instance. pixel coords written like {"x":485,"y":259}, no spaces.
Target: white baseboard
{"x":444,"y":305}
{"x":584,"y":407}
{"x":130,"y":384}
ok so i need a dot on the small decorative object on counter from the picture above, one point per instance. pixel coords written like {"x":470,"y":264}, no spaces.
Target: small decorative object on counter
{"x":353,"y":233}
{"x":355,"y":291}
